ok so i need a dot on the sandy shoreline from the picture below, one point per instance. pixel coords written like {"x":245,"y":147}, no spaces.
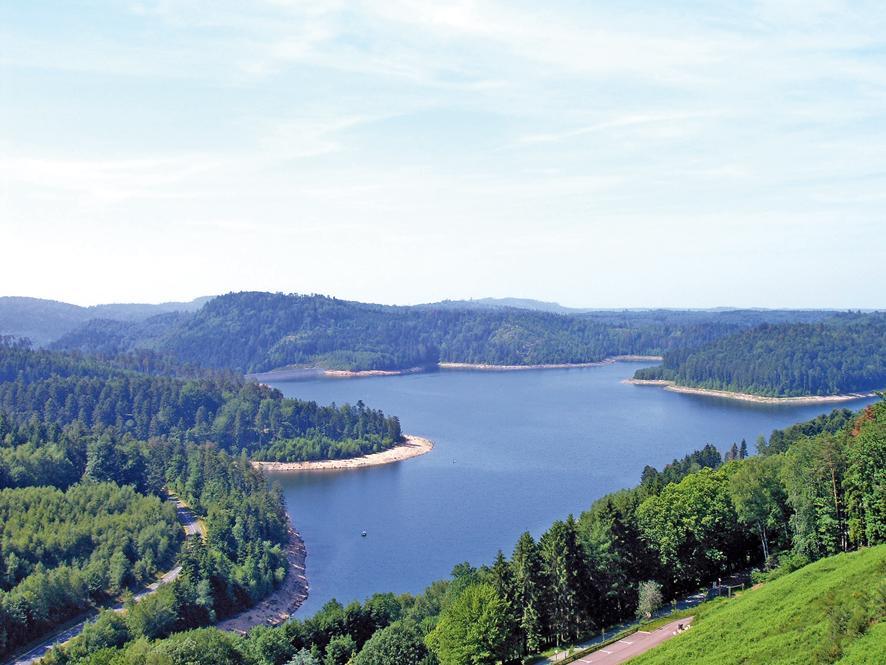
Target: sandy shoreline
{"x":282,"y":604}
{"x":513,"y":368}
{"x":748,"y":397}
{"x":296,"y":373}
{"x":354,"y":374}
{"x":412,"y":447}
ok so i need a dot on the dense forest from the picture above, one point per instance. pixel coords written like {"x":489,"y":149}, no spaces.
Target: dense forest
{"x":846,"y":353}
{"x":83,"y":521}
{"x":221,"y":408}
{"x":63,"y":549}
{"x":90,"y":449}
{"x":812,"y":491}
{"x":255,"y":332}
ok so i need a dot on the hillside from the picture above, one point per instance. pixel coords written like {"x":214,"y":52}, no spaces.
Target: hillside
{"x":821,"y":613}
{"x":255,"y":332}
{"x":43,"y":321}
{"x":846,"y":353}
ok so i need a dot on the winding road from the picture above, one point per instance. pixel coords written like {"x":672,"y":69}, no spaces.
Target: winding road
{"x":192,"y":528}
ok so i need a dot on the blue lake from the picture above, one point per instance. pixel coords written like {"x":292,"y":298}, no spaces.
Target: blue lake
{"x":514,"y":451}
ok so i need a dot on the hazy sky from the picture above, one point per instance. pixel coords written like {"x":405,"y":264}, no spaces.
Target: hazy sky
{"x":597,"y":154}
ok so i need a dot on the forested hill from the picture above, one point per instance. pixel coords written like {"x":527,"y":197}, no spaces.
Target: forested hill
{"x":255,"y":332}
{"x":846,"y":353}
{"x":67,"y":389}
{"x":43,"y":321}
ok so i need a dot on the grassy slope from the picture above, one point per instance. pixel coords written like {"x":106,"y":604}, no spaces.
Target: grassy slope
{"x":783,"y":621}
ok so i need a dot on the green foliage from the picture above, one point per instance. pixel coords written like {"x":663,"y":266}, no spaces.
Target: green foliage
{"x":529,"y":587}
{"x":866,"y":478}
{"x":473,"y":630}
{"x":839,"y":355}
{"x":649,"y":599}
{"x":831,"y":423}
{"x":401,"y":643}
{"x":693,"y":527}
{"x":88,"y":394}
{"x":60,"y":551}
{"x":759,"y":498}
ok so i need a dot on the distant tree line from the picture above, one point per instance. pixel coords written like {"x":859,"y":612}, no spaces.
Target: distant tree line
{"x":812,"y":491}
{"x":843,"y":354}
{"x":255,"y":332}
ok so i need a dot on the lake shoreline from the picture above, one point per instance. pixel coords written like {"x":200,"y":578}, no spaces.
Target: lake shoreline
{"x":413,"y":446}
{"x":750,"y":397}
{"x":278,"y":607}
{"x":482,"y":367}
{"x":297,"y":373}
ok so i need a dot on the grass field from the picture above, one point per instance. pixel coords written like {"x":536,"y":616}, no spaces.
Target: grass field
{"x":822,"y":613}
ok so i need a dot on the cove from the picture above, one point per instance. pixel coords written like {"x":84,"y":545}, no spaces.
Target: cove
{"x":514,"y":451}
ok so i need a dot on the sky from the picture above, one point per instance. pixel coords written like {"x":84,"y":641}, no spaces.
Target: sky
{"x":620,"y":154}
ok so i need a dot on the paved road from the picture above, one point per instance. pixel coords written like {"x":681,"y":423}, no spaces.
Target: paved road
{"x":682,"y":604}
{"x":192,"y":528}
{"x":633,"y":645}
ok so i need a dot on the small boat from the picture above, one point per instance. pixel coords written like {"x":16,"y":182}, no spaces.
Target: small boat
{"x":363,"y":534}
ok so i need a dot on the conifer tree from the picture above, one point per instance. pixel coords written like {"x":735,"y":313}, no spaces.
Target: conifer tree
{"x":529,"y":584}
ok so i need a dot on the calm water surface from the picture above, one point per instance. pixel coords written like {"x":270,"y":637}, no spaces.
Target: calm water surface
{"x":514,"y":451}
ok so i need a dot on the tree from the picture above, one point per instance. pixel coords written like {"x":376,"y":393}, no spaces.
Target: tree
{"x":567,"y":573}
{"x":154,"y":616}
{"x":472,"y":630}
{"x":692,"y":526}
{"x":812,"y":475}
{"x":303,"y":657}
{"x":759,"y":497}
{"x":866,"y":478}
{"x":502,"y":579}
{"x":401,"y":643}
{"x":649,"y":599}
{"x":339,"y":650}
{"x":529,"y":586}
{"x":732,"y":453}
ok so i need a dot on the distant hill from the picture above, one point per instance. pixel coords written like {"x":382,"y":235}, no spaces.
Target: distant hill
{"x":257,"y":332}
{"x":517,"y":303}
{"x":43,"y":321}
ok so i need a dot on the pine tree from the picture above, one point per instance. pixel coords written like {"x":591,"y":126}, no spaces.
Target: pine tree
{"x":502,"y":579}
{"x":528,"y":586}
{"x":731,"y":454}
{"x":567,"y":572}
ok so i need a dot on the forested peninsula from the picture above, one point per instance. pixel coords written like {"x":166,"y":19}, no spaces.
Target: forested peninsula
{"x":840,"y":355}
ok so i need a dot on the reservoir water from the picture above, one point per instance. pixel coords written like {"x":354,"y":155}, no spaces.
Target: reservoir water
{"x":514,"y":451}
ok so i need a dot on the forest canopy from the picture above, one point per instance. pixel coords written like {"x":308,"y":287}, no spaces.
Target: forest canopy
{"x":843,"y":354}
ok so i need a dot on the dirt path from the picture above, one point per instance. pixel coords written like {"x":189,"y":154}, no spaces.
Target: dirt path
{"x":633,"y":645}
{"x":280,"y":605}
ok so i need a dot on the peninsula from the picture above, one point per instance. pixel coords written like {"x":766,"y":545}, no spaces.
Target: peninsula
{"x":412,"y":446}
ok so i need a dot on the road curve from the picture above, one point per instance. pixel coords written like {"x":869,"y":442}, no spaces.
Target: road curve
{"x":192,"y":528}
